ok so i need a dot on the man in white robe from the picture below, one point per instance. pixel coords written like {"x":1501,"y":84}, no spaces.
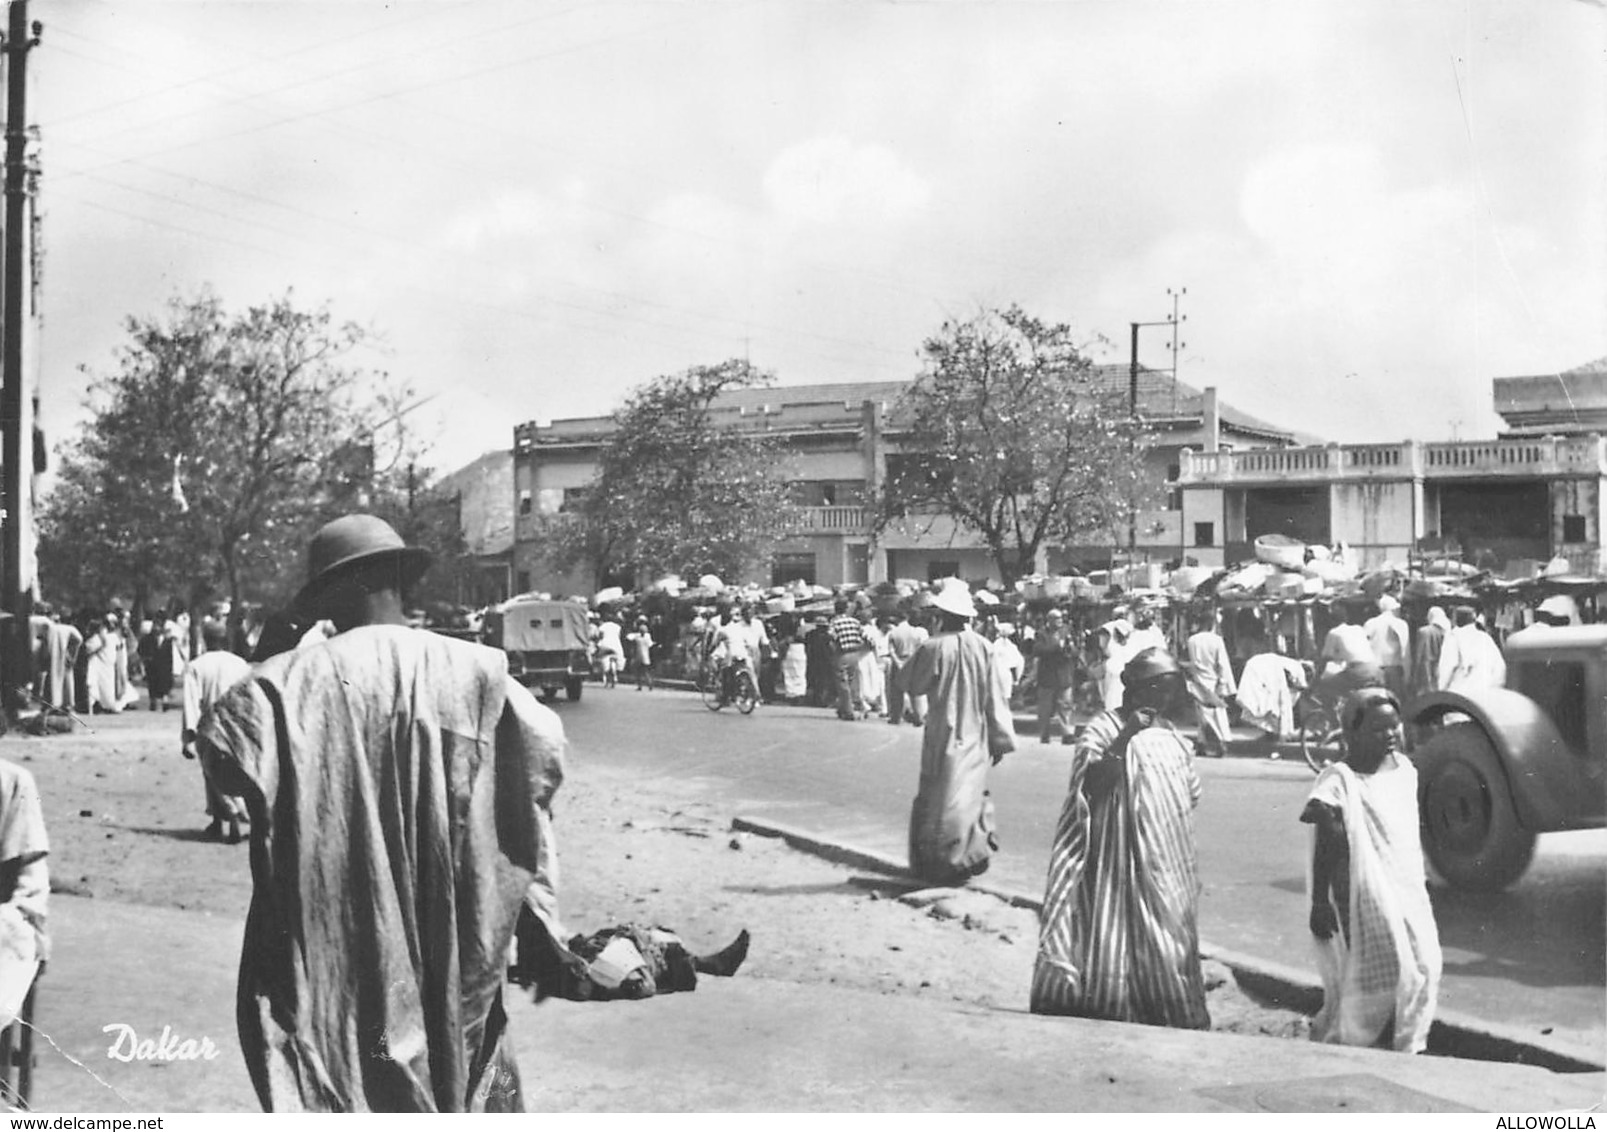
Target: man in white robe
{"x":968,"y":729}
{"x":1470,"y":658}
{"x":1390,"y":639}
{"x":400,"y":785}
{"x":1211,"y":686}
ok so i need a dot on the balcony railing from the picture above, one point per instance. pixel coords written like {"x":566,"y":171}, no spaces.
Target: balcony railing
{"x":831,"y":521}
{"x":1548,"y":456}
{"x":1478,"y":459}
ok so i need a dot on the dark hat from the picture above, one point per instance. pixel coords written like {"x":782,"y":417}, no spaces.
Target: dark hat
{"x":1148,"y":666}
{"x":351,"y":541}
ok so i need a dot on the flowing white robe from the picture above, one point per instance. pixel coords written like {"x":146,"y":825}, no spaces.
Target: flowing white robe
{"x":1390,"y":966}
{"x":23,"y":849}
{"x":105,"y":647}
{"x":968,"y":727}
{"x":1470,"y":659}
{"x":1210,"y":682}
{"x":399,"y":785}
{"x":1266,"y":693}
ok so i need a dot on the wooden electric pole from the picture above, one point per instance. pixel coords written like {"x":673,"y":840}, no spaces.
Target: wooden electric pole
{"x":16,"y":466}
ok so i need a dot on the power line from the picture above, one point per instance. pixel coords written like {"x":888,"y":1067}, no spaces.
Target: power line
{"x":604,"y":293}
{"x":384,"y":95}
{"x":210,"y":77}
{"x":324,"y":117}
{"x":540,"y":317}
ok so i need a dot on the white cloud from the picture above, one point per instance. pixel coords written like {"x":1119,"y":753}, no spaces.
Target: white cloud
{"x":831,"y":180}
{"x":504,"y":217}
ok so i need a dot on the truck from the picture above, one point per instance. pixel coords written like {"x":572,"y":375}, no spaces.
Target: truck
{"x":548,"y":643}
{"x":1498,"y":766}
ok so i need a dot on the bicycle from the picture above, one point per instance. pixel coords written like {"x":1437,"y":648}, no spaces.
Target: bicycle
{"x":1322,"y":740}
{"x":744,"y":691}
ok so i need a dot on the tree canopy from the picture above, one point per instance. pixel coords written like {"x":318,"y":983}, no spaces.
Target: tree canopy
{"x":1006,"y":432}
{"x":213,"y":450}
{"x":676,"y":489}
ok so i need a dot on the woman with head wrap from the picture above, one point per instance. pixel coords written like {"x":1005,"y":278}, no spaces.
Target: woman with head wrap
{"x":1119,"y":936}
{"x":1378,"y":949}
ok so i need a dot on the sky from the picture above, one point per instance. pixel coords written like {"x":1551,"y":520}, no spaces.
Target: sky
{"x":534,"y":206}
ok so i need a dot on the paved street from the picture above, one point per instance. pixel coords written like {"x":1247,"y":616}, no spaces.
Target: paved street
{"x":1533,"y":957}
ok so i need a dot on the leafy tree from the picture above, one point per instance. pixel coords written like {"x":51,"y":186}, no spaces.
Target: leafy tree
{"x":1006,"y":432}
{"x":677,"y":491}
{"x":212,"y":452}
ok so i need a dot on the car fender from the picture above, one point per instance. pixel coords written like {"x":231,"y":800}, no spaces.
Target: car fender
{"x":1535,"y":756}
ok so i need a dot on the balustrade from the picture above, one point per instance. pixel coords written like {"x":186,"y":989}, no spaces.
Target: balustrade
{"x":1538,"y":457}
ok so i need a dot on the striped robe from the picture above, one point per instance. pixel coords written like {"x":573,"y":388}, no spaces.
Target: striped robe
{"x":1119,"y":936}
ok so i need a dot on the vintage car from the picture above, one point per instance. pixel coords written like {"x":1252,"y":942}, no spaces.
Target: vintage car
{"x":1497,"y":766}
{"x":548,"y":643}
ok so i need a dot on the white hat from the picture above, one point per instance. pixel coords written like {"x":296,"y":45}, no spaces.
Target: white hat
{"x":954,"y":596}
{"x":1387,"y":604}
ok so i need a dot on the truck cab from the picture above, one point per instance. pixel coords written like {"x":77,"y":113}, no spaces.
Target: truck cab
{"x":1502,"y":765}
{"x":548,"y":643}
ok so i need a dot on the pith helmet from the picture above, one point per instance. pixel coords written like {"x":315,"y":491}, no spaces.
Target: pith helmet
{"x":356,"y":540}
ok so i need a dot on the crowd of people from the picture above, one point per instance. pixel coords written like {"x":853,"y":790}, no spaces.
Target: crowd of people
{"x":376,"y":951}
{"x":94,"y":662}
{"x":1119,"y":936}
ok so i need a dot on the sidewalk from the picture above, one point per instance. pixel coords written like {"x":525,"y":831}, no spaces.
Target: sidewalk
{"x":749,"y":1044}
{"x":760,"y":1041}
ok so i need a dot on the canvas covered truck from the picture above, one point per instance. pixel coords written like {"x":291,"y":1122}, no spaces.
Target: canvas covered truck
{"x":1497,"y":766}
{"x":548,"y":643}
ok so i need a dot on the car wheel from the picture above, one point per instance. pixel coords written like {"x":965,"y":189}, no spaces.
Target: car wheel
{"x":1470,"y":828}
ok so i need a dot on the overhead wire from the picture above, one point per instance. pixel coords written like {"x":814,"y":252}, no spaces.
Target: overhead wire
{"x":121,"y":105}
{"x":325,"y":116}
{"x":537,"y":317}
{"x":406,"y":244}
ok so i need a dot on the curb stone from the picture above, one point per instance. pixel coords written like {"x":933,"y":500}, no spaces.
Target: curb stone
{"x":1455,"y":1034}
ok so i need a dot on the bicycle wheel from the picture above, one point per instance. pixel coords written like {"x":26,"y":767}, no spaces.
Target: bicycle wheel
{"x":747,"y":694}
{"x":1321,"y":743}
{"x":709,"y":688}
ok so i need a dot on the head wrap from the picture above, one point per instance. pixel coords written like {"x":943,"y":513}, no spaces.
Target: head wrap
{"x":1359,"y":703}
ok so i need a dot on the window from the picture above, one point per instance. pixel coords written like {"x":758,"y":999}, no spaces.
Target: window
{"x":919,"y":473}
{"x":799,"y":567}
{"x":573,"y":498}
{"x":1204,"y":534}
{"x":938,"y":568}
{"x":1558,"y":686}
{"x":828,"y":493}
{"x":1573,"y":528}
{"x":525,"y":503}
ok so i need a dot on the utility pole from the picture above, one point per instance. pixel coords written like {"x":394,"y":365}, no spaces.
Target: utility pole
{"x":1177,"y":296}
{"x":15,"y":429}
{"x":1132,"y":437}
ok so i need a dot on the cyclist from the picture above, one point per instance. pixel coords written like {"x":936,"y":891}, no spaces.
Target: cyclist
{"x":734,"y":646}
{"x":610,"y":649}
{"x":1348,"y":661}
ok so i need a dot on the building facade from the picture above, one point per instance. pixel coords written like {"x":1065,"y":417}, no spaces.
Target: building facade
{"x":1533,"y":494}
{"x":838,"y":438}
{"x":484,"y":493}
